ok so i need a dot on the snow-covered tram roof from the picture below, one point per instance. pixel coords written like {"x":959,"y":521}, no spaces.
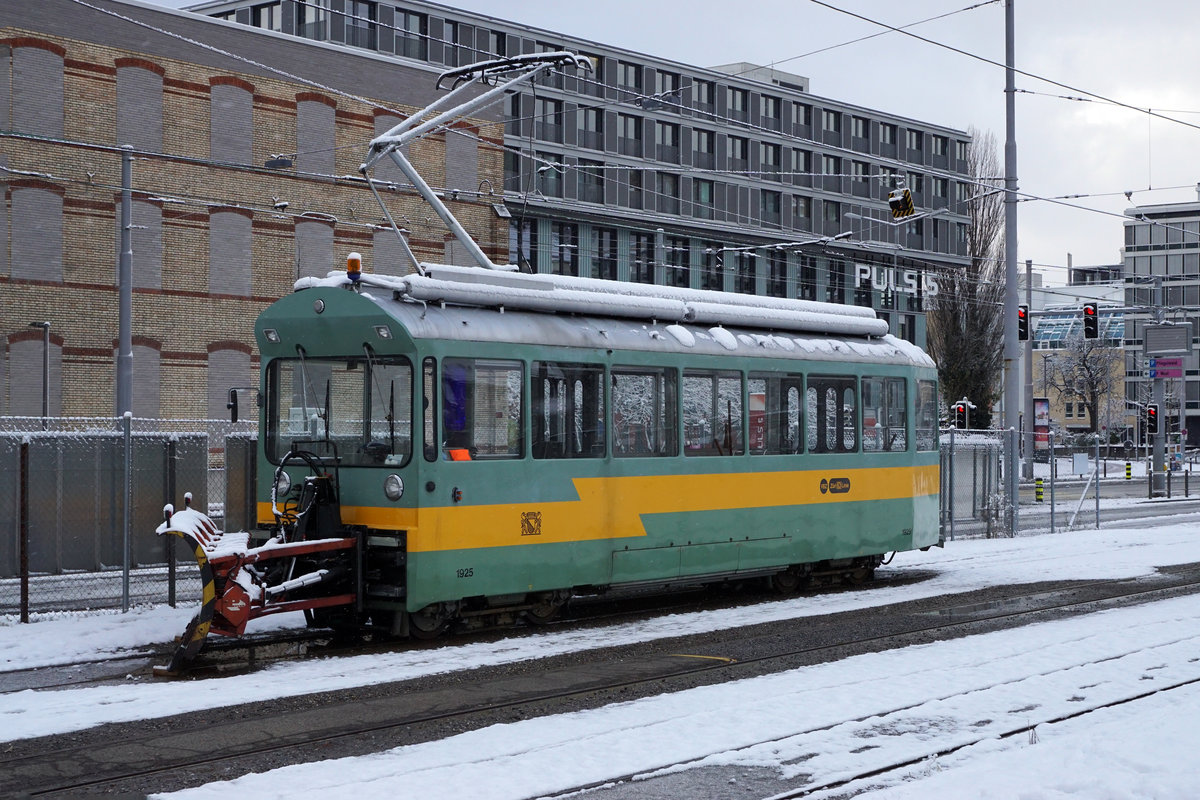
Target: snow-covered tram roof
{"x":467,"y":303}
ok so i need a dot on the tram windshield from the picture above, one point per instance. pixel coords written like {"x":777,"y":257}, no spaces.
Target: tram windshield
{"x":357,"y":410}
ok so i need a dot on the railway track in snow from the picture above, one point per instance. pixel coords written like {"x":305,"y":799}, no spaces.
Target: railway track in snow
{"x":170,"y":753}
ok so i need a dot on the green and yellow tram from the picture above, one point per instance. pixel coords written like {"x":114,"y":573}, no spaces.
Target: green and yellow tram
{"x":465,"y":443}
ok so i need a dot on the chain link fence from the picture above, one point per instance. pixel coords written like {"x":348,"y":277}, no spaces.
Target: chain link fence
{"x":80,"y":499}
{"x":976,"y":495}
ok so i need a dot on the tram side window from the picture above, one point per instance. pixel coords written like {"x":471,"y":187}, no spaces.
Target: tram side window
{"x":831,"y":414}
{"x":429,"y":408}
{"x":775,"y":414}
{"x":481,"y":409}
{"x":643,"y":411}
{"x":885,"y":417}
{"x":567,"y":410}
{"x":927,"y":415}
{"x":712,"y":414}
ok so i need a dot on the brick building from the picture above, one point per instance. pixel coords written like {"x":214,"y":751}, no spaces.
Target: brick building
{"x":217,"y":234}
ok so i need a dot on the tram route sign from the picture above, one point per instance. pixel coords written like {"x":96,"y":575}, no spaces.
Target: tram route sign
{"x":1167,"y":340}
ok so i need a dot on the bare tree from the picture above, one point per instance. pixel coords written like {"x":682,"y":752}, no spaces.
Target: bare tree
{"x":1086,"y":371}
{"x":966,"y":316}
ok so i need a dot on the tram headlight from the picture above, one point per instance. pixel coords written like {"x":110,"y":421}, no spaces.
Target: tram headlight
{"x":393,"y":487}
{"x":283,"y":483}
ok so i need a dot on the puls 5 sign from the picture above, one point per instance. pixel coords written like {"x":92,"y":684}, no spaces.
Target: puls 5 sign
{"x":905,"y":281}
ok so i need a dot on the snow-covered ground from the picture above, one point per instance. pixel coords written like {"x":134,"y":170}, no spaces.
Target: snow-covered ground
{"x":819,"y":723}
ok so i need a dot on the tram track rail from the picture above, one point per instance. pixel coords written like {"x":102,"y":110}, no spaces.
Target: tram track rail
{"x":72,"y":765}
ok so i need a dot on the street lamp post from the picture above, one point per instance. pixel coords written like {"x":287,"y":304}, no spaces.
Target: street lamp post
{"x":45,"y":326}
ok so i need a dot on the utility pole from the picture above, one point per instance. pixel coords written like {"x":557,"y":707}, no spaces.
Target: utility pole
{"x":124,"y":393}
{"x":1028,"y":431}
{"x":1012,"y":387}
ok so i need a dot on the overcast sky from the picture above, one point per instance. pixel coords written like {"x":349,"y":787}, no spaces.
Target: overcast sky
{"x":1142,"y":54}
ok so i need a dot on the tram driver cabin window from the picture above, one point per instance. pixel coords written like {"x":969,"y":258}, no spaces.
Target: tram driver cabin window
{"x":643,"y":412}
{"x":481,"y":409}
{"x":831,"y":411}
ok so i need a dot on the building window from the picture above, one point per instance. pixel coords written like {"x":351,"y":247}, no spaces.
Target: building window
{"x":704,"y":94}
{"x":668,"y":192}
{"x":745,"y":277}
{"x":771,"y":109}
{"x":801,"y":114}
{"x":548,"y":125}
{"x":937,"y":145}
{"x":497,"y":43}
{"x":801,"y":212}
{"x":702,"y":198}
{"x":887,"y":133}
{"x":739,"y":102}
{"x":801,"y":163}
{"x":712,"y":271}
{"x":770,"y":208}
{"x":604,"y":253}
{"x":629,"y":135}
{"x":267,"y":16}
{"x":833,"y":211}
{"x":914,"y":140}
{"x":806,"y":278}
{"x":549,"y":172}
{"x":835,"y":288}
{"x":666,"y":83}
{"x":312,"y":20}
{"x":666,"y":139}
{"x":831,"y":165}
{"x":961,"y":150}
{"x":635,"y":188}
{"x":359,"y":20}
{"x":776,"y":274}
{"x":564,"y":248}
{"x":641,"y":257}
{"x":859,"y":126}
{"x":629,"y":76}
{"x":703,"y":148}
{"x":739,"y":153}
{"x":412,"y":35}
{"x":939,"y":187}
{"x":831,"y":121}
{"x":678,"y":261}
{"x":860,"y":172}
{"x":591,"y":181}
{"x":523,"y":244}
{"x":591,"y":128}
{"x":769,"y":161}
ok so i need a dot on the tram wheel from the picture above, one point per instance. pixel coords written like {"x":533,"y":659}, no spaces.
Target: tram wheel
{"x":787,"y":582}
{"x":428,"y":623}
{"x":545,"y":608}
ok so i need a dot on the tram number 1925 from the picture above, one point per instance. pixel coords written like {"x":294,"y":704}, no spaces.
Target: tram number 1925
{"x":466,"y":572}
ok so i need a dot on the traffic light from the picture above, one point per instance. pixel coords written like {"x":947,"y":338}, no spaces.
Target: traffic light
{"x":1023,"y":323}
{"x":900,"y":201}
{"x":960,"y":415}
{"x":1152,"y":419}
{"x":1091,"y":321}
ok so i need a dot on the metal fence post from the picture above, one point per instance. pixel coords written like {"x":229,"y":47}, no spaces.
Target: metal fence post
{"x":1098,"y":483}
{"x":1053,"y":476}
{"x":169,"y":541}
{"x":127,"y":425}
{"x":952,"y":484}
{"x":24,"y":533}
{"x":1014,"y":486}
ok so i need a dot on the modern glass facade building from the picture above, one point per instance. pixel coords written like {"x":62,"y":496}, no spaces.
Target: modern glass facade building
{"x":733,"y":178}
